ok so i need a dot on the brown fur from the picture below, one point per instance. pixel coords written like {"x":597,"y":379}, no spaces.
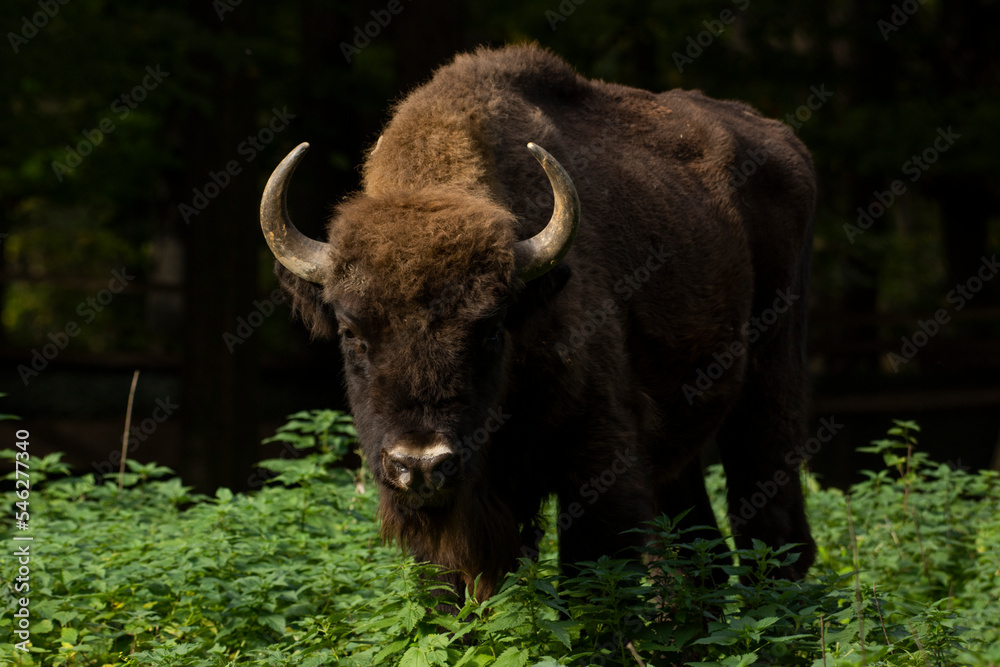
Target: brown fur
{"x":589,"y":367}
{"x":477,"y":536}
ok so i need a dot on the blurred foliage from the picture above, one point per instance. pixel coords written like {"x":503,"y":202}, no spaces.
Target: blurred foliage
{"x":890,"y":95}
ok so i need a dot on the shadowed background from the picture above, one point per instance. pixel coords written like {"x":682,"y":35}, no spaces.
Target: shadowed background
{"x":138,"y":139}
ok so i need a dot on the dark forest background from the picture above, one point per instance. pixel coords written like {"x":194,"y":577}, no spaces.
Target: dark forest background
{"x":118,"y":254}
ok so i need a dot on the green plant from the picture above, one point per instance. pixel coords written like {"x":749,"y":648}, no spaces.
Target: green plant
{"x":296,"y":574}
{"x":3,"y":416}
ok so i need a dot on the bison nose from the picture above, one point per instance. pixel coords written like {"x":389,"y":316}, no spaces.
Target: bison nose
{"x":400,"y":468}
{"x":411,"y":468}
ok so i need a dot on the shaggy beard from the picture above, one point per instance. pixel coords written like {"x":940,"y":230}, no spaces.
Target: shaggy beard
{"x":476,"y":534}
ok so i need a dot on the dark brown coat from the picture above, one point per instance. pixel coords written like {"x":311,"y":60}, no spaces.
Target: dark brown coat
{"x":602,"y":379}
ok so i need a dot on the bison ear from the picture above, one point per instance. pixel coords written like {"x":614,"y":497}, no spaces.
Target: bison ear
{"x":537,"y":294}
{"x":306,"y":301}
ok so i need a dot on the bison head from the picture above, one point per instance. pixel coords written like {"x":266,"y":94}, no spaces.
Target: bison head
{"x":416,"y":284}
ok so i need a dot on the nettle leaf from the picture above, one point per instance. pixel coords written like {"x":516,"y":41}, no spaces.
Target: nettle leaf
{"x":274,"y":621}
{"x":721,"y":637}
{"x":740,"y":660}
{"x":297,"y":440}
{"x":560,"y":629}
{"x":65,"y":617}
{"x":415,"y":657}
{"x":786,"y":638}
{"x":411,"y":615}
{"x":319,"y":660}
{"x":513,"y":657}
{"x":148,"y":470}
{"x":50,"y":464}
{"x":294,"y":471}
{"x":475,"y":656}
{"x":381,"y":623}
{"x":909,"y":425}
{"x":506,"y":620}
{"x":391,"y":649}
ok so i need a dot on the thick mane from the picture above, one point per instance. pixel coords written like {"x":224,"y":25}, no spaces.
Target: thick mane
{"x":404,"y":239}
{"x":422,"y":244}
{"x":446,"y":130}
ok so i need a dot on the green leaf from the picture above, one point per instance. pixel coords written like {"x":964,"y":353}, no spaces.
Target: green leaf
{"x":274,"y":621}
{"x":68,"y":635}
{"x":414,"y":657}
{"x":558,"y":628}
{"x":474,"y":655}
{"x":411,"y":615}
{"x":391,"y":649}
{"x":512,"y":657}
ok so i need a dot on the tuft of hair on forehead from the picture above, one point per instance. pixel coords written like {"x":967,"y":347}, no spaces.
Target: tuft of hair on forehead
{"x":436,"y":249}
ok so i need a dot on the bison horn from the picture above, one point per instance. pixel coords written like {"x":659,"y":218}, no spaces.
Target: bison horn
{"x":535,"y":256}
{"x":298,"y":253}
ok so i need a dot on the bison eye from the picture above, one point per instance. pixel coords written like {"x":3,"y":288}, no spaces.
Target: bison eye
{"x":494,"y":338}
{"x":356,"y":344}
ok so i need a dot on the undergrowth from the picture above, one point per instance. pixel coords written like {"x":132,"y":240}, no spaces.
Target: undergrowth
{"x":295,"y":574}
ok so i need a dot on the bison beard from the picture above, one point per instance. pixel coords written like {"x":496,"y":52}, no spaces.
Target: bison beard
{"x":610,"y":294}
{"x":478,"y":534}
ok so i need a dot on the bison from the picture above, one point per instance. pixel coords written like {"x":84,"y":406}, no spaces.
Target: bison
{"x":503,"y":342}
